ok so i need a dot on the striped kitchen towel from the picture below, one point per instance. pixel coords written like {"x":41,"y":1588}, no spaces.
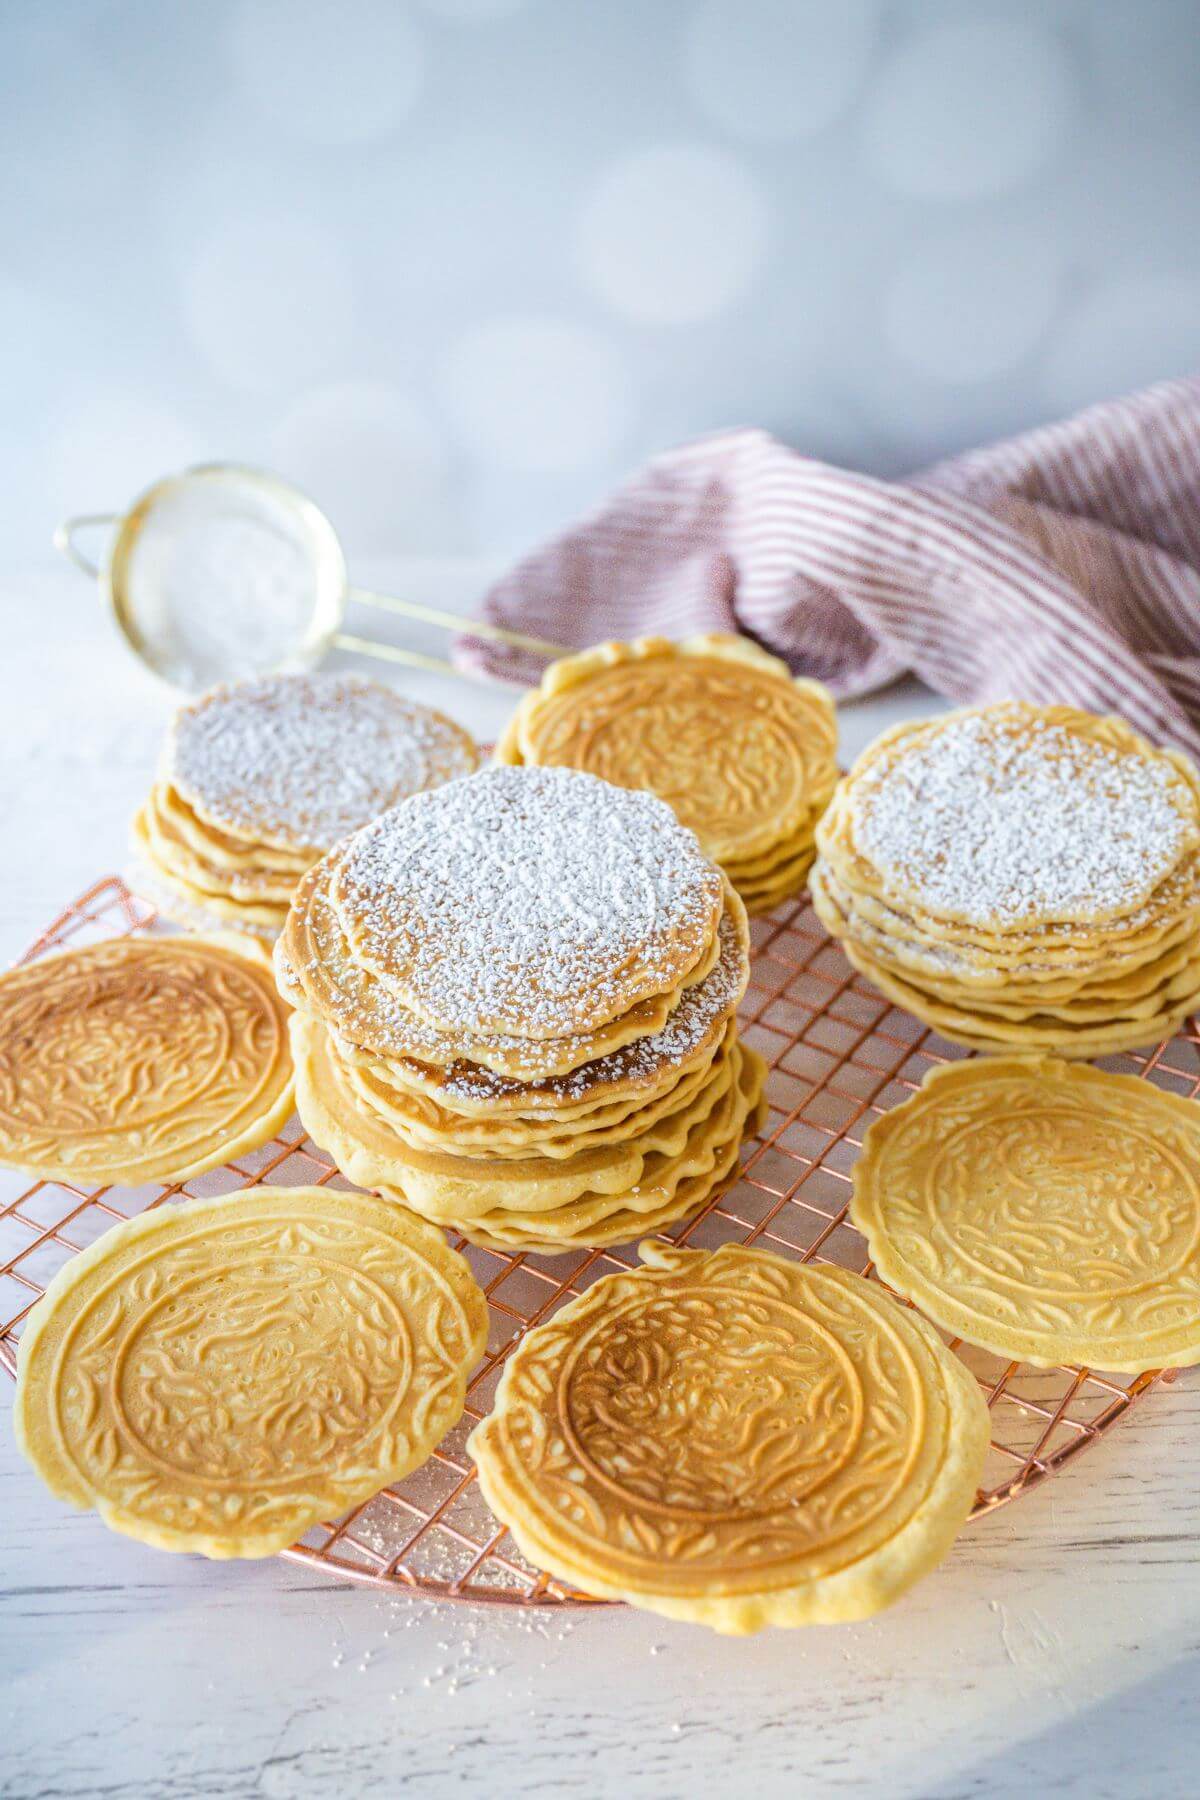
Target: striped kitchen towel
{"x":1063,"y":564}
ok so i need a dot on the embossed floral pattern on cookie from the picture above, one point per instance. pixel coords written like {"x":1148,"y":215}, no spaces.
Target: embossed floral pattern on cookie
{"x":734,"y":1439}
{"x":220,"y":1375}
{"x":1047,"y":1211}
{"x":141,"y":1059}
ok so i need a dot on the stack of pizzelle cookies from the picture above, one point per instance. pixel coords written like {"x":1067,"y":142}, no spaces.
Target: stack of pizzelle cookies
{"x":1021,"y":878}
{"x":515,"y":1011}
{"x":259,"y":778}
{"x":743,"y":752}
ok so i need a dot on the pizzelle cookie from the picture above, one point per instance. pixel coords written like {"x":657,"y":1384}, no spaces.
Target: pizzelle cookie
{"x":1046,"y":1211}
{"x":318,"y":973}
{"x":536,"y":902}
{"x":1021,"y":878}
{"x":968,"y":815}
{"x":743,"y":752}
{"x":735,"y":1440}
{"x":259,"y":778}
{"x":141,"y":1059}
{"x":295,"y":762}
{"x":219,"y":1376}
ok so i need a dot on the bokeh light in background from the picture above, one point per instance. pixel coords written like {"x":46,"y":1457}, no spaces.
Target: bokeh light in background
{"x":458,"y":265}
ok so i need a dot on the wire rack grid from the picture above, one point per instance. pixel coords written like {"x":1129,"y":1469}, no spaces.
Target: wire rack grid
{"x":839,"y":1055}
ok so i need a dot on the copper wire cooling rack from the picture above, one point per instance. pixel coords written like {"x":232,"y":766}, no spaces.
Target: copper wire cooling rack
{"x":839,"y":1055}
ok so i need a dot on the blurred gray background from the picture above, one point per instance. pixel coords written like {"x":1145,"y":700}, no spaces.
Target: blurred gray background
{"x":457,"y":265}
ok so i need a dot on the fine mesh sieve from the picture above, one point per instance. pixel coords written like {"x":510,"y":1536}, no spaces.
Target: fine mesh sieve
{"x":224,"y":572}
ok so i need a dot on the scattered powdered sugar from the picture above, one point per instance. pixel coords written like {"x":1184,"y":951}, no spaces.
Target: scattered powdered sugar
{"x":539,"y":901}
{"x":1002,"y":817}
{"x":698,"y":1009}
{"x":365,"y":1015}
{"x":300,"y":761}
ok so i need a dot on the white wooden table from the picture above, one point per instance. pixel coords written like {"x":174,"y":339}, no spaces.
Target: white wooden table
{"x":1057,"y":1651}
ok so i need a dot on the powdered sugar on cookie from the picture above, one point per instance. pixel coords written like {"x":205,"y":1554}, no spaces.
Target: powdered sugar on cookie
{"x":1001,"y":817}
{"x":300,"y":761}
{"x":540,"y":902}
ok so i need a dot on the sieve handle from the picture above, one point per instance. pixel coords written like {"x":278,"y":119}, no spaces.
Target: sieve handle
{"x":414,"y":659}
{"x":434,"y":615}
{"x":64,"y":539}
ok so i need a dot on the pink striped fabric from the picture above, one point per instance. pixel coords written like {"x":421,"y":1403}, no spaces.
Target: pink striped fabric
{"x":1063,"y":564}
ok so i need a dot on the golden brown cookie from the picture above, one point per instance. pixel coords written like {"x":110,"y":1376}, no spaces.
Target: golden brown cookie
{"x":539,"y":903}
{"x":451,"y":1188}
{"x":141,"y":1059}
{"x":735,"y":1440}
{"x":1046,"y":1211}
{"x":640,"y":1071}
{"x":220,"y":1375}
{"x":670,"y":1191}
{"x":1014,"y":815}
{"x":318,"y":973}
{"x":296,"y":762}
{"x":427,"y":1126}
